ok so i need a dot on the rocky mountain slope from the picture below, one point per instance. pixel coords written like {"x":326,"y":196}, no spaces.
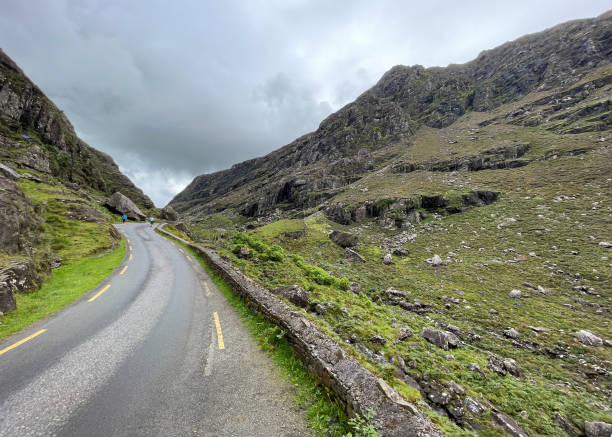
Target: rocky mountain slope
{"x":36,"y":135}
{"x":379,"y":126}
{"x":452,"y":228}
{"x":52,"y":188}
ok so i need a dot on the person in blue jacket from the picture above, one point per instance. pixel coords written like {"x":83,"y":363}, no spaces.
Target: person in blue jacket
{"x":151,"y":220}
{"x":123,"y":218}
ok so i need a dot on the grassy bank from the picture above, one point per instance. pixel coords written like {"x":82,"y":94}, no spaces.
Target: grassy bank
{"x":325,"y":416}
{"x":66,"y":284}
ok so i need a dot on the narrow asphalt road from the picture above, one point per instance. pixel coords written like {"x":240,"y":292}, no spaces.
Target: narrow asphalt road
{"x":158,"y":353}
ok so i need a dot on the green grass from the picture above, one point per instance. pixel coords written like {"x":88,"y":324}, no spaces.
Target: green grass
{"x":280,"y":227}
{"x":70,"y":239}
{"x":171,"y":228}
{"x":325,"y":416}
{"x":66,"y":284}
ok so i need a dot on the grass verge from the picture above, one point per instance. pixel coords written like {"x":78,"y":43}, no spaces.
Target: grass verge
{"x":325,"y":416}
{"x":67,"y":283}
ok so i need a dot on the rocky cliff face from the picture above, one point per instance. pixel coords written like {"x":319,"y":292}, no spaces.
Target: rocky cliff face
{"x":371,"y":132}
{"x":36,"y":135}
{"x":52,"y":186}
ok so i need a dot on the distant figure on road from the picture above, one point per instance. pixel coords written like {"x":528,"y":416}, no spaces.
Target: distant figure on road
{"x":123,"y":218}
{"x":151,"y":220}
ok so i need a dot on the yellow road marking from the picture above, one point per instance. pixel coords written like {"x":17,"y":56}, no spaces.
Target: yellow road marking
{"x":128,"y":240}
{"x":131,"y":248}
{"x":181,"y":250}
{"x":131,"y":256}
{"x":189,"y":258}
{"x":20,"y":342}
{"x":123,"y":271}
{"x":206,"y":288}
{"x":95,"y":296}
{"x":219,"y":333}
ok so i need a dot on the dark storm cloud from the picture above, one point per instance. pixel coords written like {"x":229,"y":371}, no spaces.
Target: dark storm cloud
{"x":176,"y":89}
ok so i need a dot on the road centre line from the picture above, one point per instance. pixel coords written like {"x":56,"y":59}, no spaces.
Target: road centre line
{"x":20,"y":342}
{"x":131,"y":248}
{"x":131,"y":256}
{"x":181,"y":250}
{"x":205,"y":285}
{"x":219,"y":332}
{"x":123,"y":271}
{"x":95,"y":296}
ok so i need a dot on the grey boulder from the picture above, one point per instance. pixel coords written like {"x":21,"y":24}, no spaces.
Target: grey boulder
{"x":352,"y":256}
{"x":444,"y":340}
{"x":7,"y":298}
{"x":8,"y":172}
{"x":344,"y":239}
{"x":598,"y":429}
{"x":117,"y":202}
{"x":294,"y":294}
{"x":169,"y":214}
{"x":509,"y":425}
{"x":588,"y":338}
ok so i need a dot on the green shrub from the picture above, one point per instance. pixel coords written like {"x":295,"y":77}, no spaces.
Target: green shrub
{"x":363,"y":426}
{"x":320,"y":276}
{"x":275,"y":253}
{"x":272,"y":253}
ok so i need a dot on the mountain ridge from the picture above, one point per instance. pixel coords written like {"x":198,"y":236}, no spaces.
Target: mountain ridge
{"x":389,"y":113}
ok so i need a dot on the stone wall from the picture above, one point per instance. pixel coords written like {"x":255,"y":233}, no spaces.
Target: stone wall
{"x":357,"y":388}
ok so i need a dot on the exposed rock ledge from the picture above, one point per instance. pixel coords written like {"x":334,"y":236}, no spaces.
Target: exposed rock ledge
{"x":356,"y":387}
{"x":401,"y":212}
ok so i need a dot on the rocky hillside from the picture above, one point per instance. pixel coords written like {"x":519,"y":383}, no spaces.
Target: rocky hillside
{"x":370,"y":132}
{"x":52,"y":189}
{"x":452,"y":229}
{"x":36,"y":135}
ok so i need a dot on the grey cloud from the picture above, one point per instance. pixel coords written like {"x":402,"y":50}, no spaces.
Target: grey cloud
{"x":172,"y":90}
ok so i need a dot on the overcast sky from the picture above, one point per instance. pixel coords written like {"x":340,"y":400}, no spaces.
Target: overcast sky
{"x":173,"y":89}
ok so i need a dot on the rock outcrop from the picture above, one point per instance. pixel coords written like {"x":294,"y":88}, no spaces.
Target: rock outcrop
{"x":21,"y":225}
{"x":7,"y":297}
{"x":121,"y":204}
{"x":17,"y":277}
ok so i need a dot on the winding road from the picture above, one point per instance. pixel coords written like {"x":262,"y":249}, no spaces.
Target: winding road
{"x":155,"y":350}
